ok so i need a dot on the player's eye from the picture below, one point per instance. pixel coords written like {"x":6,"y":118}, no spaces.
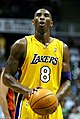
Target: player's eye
{"x":38,"y":14}
{"x":46,"y":15}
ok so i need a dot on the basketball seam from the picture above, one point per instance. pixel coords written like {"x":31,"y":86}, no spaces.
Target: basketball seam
{"x":45,"y":107}
{"x":41,"y":98}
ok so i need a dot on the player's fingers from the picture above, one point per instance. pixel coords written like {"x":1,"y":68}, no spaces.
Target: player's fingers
{"x":39,"y":87}
{"x":35,"y":89}
{"x":29,"y":94}
{"x":54,"y":110}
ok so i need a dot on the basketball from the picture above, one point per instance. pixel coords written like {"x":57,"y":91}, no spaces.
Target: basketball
{"x":43,"y":102}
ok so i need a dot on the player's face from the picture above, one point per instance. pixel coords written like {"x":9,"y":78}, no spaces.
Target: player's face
{"x":42,"y":21}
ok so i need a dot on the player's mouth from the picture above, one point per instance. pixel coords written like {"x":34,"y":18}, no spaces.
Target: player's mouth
{"x":41,"y":23}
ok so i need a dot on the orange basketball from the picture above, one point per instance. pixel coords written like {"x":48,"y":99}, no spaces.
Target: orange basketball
{"x":43,"y":102}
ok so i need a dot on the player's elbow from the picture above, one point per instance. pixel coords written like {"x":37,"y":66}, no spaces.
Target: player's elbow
{"x":5,"y":79}
{"x":2,"y":77}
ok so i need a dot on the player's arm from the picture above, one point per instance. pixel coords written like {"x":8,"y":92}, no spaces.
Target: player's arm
{"x":17,"y":53}
{"x":66,"y":75}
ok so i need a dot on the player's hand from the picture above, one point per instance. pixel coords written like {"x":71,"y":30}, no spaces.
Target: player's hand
{"x":54,"y":110}
{"x":39,"y":87}
{"x":59,"y":98}
{"x":31,"y":91}
{"x":34,"y":90}
{"x":56,"y":107}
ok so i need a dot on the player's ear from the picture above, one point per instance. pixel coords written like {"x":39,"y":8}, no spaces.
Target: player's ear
{"x":33,"y":22}
{"x":51,"y":23}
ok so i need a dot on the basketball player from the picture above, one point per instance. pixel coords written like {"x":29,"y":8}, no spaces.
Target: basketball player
{"x":43,"y":60}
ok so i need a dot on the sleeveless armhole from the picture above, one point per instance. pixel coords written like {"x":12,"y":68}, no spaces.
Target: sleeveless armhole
{"x":61,"y":47}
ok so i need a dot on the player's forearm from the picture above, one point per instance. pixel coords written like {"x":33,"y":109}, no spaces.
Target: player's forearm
{"x":64,"y":90}
{"x":11,"y":82}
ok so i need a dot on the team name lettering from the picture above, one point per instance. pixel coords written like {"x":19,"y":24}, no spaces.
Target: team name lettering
{"x":46,"y":59}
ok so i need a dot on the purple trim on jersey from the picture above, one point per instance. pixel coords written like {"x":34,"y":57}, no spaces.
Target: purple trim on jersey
{"x":18,"y":106}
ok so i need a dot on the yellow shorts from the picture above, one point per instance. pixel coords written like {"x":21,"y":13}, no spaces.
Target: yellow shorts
{"x":24,"y":111}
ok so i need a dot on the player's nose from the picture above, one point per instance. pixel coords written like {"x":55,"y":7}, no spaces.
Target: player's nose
{"x":42,"y":17}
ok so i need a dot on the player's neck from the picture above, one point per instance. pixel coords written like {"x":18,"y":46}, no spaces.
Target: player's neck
{"x":43,"y":38}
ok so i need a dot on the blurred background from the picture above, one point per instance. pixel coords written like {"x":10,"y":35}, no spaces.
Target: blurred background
{"x":16,"y":22}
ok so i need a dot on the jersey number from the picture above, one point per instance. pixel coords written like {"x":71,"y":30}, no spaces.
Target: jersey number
{"x":45,"y":74}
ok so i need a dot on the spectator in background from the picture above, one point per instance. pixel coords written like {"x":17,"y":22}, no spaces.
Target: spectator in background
{"x":4,"y":113}
{"x":75,"y":114}
{"x":2,"y":53}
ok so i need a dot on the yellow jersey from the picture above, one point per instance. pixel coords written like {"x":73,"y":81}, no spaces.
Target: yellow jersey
{"x":43,"y":64}
{"x":42,"y":67}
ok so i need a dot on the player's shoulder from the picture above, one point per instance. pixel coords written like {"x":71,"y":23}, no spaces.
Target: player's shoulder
{"x":18,"y":47}
{"x":58,"y":40}
{"x":20,"y":43}
{"x":65,"y":46}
